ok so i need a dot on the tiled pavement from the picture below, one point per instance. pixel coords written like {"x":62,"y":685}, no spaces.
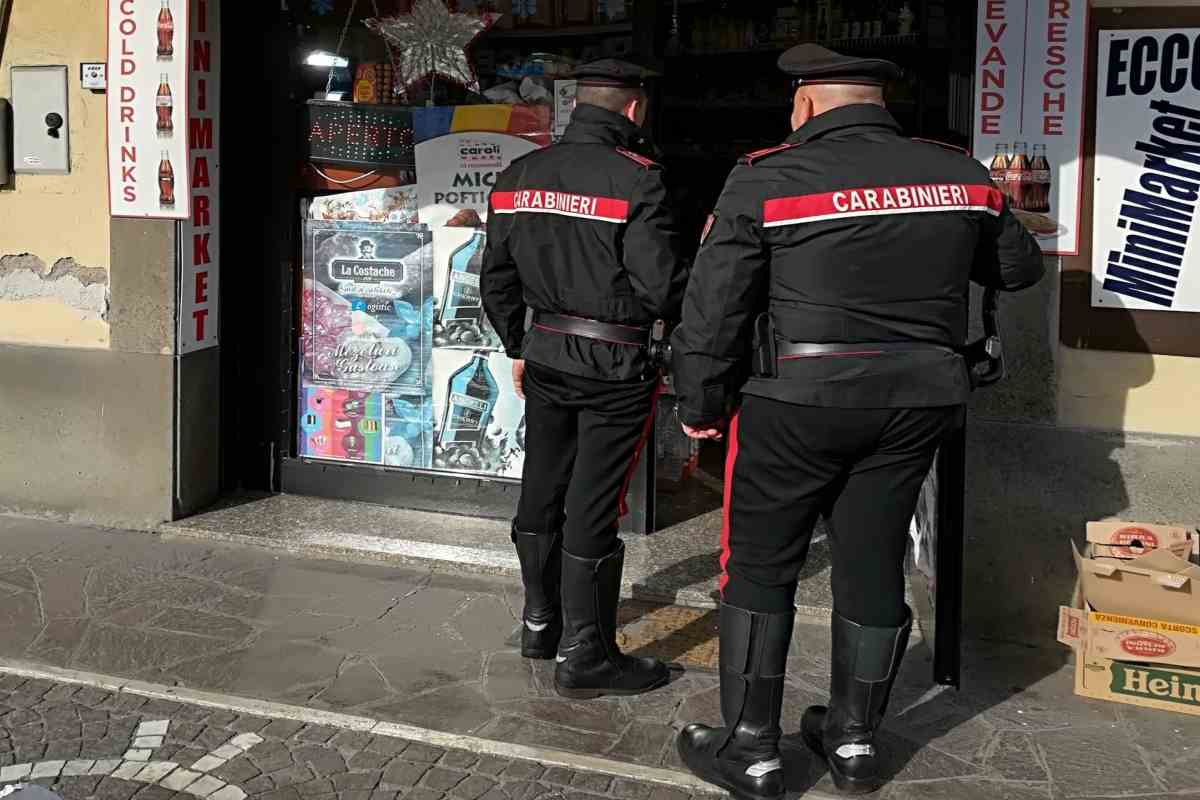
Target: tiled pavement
{"x":433,"y":650}
{"x":84,"y":742}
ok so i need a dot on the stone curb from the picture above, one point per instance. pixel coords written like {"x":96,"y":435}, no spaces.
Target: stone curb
{"x":266,"y":709}
{"x":439,"y":557}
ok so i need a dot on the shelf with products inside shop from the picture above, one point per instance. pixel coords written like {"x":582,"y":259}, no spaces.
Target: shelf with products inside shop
{"x":611,"y":29}
{"x":897,"y":41}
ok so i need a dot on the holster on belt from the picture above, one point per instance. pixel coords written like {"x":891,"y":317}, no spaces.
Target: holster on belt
{"x":766,"y":356}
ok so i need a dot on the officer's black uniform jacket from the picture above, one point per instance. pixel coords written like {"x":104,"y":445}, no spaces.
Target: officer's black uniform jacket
{"x":847,"y":233}
{"x":583,"y":228}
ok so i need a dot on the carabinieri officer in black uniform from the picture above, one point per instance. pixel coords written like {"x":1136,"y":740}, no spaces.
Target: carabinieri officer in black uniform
{"x":582,"y":234}
{"x":829,"y":298}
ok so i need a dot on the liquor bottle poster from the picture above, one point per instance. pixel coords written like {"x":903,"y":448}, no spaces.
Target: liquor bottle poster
{"x":480,"y":421}
{"x":455,"y":175}
{"x":1146,"y":187}
{"x":149,"y":50}
{"x":1029,"y":79}
{"x":366,"y":327}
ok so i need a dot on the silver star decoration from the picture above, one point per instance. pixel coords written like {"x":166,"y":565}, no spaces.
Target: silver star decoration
{"x":431,"y":40}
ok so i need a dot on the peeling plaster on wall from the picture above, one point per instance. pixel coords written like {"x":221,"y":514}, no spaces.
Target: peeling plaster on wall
{"x":26,"y":277}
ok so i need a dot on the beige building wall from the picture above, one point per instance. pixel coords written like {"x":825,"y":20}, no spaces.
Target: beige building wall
{"x":54,"y":229}
{"x":1132,"y":392}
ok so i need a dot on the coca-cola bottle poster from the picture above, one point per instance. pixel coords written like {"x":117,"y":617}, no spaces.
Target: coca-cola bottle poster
{"x":366,"y":343}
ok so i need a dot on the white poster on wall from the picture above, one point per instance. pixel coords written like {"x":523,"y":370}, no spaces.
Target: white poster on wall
{"x":199,"y":233}
{"x":455,"y":175}
{"x":1029,"y":77}
{"x":148,"y":54}
{"x":1147,"y":177}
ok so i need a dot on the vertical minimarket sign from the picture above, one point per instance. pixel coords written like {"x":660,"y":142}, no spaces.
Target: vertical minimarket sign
{"x":1147,"y":183}
{"x":1029,"y":78}
{"x":199,"y":232}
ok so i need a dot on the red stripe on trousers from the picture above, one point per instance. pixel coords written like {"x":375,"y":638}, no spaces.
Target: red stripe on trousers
{"x":731,"y":453}
{"x":622,"y":508}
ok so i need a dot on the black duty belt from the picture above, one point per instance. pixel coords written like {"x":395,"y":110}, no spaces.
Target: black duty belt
{"x":631,"y":335}
{"x":787,"y":351}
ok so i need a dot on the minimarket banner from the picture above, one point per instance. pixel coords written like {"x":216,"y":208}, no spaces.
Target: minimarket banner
{"x":1147,"y":170}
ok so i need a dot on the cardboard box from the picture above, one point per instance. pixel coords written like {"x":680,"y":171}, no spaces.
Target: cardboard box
{"x":1095,"y":634}
{"x":1148,"y":685}
{"x":1158,"y":585}
{"x":1117,"y":539}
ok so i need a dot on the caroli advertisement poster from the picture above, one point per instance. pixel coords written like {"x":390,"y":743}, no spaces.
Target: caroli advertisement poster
{"x":366,"y":343}
{"x":478,"y":419}
{"x":455,"y":175}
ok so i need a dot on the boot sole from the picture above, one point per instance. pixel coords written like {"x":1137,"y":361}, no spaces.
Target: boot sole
{"x":843,"y":783}
{"x":539,"y":655}
{"x":592,"y":694}
{"x":717,"y":780}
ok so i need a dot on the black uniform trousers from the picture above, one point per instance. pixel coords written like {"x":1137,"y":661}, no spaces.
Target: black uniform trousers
{"x":582,"y":441}
{"x":862,"y":468}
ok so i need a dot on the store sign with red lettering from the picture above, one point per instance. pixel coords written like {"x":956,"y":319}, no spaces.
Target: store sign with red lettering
{"x":148,"y":52}
{"x":1029,"y":77}
{"x":1147,"y":185}
{"x":199,"y":233}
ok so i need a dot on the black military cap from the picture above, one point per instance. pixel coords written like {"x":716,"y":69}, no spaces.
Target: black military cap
{"x":612,"y":72}
{"x":812,"y":63}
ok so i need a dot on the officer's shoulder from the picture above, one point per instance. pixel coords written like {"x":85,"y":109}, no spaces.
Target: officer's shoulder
{"x":637,"y":158}
{"x":962,"y":151}
{"x":750,"y":159}
{"x":951,"y":155}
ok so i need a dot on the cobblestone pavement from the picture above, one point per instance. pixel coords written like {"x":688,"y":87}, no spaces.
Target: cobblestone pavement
{"x":88,"y":743}
{"x":434,"y":651}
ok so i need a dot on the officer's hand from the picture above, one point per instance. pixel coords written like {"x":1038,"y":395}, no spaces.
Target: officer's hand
{"x":702,"y":433}
{"x":519,"y":377}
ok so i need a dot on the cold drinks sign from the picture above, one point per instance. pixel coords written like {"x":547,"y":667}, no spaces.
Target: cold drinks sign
{"x":147,"y":108}
{"x":1147,"y":184}
{"x":1029,"y":111}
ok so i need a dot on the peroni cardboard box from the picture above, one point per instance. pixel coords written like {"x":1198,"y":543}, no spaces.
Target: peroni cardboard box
{"x":1095,"y":634}
{"x":1118,"y":539}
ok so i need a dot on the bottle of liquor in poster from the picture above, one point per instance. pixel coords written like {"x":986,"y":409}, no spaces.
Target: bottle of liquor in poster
{"x":166,"y":181}
{"x":1040,"y":180}
{"x":471,"y":397}
{"x":461,"y":300}
{"x":166,"y":31}
{"x":165,"y":107}
{"x":1018,"y":176}
{"x":998,"y":169}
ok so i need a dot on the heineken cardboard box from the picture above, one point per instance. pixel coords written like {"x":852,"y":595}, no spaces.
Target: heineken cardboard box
{"x":1117,"y":539}
{"x":1158,"y":686}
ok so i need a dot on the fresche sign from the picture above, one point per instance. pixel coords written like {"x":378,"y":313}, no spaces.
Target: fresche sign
{"x":1029,"y":111}
{"x":1147,"y":170}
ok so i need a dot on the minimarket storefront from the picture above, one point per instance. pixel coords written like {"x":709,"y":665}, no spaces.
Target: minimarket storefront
{"x":283,"y":354}
{"x":391,"y":119}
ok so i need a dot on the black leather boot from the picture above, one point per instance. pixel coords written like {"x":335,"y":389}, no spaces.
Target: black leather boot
{"x":589,"y":662}
{"x":541,"y":568}
{"x":743,"y":757}
{"x":865,"y":663}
